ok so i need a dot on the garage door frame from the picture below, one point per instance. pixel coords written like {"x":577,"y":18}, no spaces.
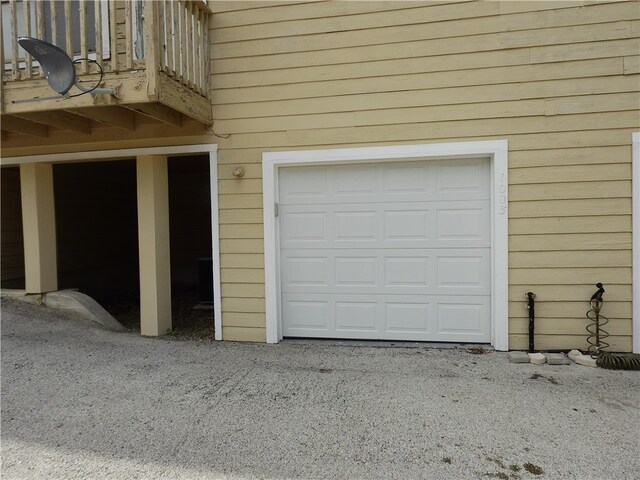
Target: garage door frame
{"x":495,"y":151}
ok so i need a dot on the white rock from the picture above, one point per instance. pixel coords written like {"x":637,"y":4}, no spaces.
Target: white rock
{"x":574,"y":353}
{"x":585,"y":360}
{"x":537,"y":358}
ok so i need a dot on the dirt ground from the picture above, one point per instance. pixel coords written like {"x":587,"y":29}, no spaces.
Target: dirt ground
{"x":190,"y":319}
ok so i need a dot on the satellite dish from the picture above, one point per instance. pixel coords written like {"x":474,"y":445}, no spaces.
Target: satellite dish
{"x":59,"y":69}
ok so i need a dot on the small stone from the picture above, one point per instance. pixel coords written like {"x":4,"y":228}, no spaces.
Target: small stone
{"x":518,"y":357}
{"x":574,"y":353}
{"x":557,"y":359}
{"x":537,"y":358}
{"x":585,"y":360}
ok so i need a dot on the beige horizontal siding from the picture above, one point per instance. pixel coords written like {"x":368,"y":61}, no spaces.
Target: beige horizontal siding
{"x":244,"y":334}
{"x":573,"y":314}
{"x":556,"y":259}
{"x":538,"y":208}
{"x":567,"y":342}
{"x":393,"y":27}
{"x":579,"y":290}
{"x":558,"y":80}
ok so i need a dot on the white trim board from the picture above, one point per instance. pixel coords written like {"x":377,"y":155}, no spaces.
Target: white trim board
{"x":496,"y":151}
{"x":210,"y":149}
{"x":635,"y":246}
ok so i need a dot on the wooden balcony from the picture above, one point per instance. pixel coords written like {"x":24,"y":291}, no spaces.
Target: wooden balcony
{"x":154,"y":55}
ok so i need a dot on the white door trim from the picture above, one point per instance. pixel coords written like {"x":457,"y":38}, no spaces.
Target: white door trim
{"x":635,"y":221}
{"x":496,"y":151}
{"x":127,"y":153}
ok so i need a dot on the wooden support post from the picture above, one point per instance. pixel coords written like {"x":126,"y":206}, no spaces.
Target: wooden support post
{"x":39,"y":227}
{"x":153,"y":241}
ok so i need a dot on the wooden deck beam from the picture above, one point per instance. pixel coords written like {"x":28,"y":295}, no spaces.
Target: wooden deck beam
{"x":60,"y":119}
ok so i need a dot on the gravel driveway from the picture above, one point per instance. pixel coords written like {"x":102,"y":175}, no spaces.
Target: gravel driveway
{"x":80,"y":402}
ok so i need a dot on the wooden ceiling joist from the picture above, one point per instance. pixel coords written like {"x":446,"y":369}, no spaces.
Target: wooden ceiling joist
{"x":114,"y":116}
{"x":60,"y":119}
{"x":26,"y":127}
{"x":159,"y":112}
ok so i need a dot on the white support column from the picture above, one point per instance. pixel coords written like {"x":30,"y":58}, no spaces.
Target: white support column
{"x":153,"y":241}
{"x":39,"y":228}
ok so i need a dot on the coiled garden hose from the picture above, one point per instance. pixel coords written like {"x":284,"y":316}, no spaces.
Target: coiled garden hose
{"x":597,"y":335}
{"x":619,"y":361}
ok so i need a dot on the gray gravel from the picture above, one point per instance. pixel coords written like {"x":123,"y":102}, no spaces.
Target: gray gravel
{"x":82,"y":402}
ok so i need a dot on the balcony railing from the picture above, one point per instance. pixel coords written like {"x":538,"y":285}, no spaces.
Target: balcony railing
{"x":167,"y":37}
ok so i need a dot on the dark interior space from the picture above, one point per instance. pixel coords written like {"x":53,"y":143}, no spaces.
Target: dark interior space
{"x":96,"y":216}
{"x":12,"y":246}
{"x":96,"y":228}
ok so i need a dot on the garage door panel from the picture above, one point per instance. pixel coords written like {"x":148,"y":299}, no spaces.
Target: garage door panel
{"x":455,"y":273}
{"x":393,"y":271}
{"x":456,"y":320}
{"x":303,"y":185}
{"x":402,"y":181}
{"x":305,"y":228}
{"x":402,"y":225}
{"x":407,"y":317}
{"x":463,"y":179}
{"x":396,"y":251}
{"x":304,"y":315}
{"x":394,"y":317}
{"x":357,"y":316}
{"x":355,"y":226}
{"x":465,"y":226}
{"x":306,"y":271}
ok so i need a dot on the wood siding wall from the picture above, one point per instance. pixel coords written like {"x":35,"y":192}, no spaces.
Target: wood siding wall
{"x":558,"y":80}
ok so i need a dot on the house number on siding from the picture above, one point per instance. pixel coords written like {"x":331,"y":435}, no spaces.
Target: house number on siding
{"x":502,"y":195}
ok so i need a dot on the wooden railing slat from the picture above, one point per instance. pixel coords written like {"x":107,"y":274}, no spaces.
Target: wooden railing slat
{"x":128,"y":36}
{"x":176,"y":37}
{"x":198,"y":49}
{"x":68,"y":32}
{"x":113,"y":35}
{"x":190,"y":46}
{"x":40,"y":29}
{"x":174,"y":34}
{"x":26,"y":10}
{"x":97,"y":7}
{"x":1,"y":46}
{"x":54,"y":23}
{"x":168,"y":32}
{"x":84,"y":51}
{"x":13,"y":22}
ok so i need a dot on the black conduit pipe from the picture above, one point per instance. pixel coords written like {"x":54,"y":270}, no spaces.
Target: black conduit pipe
{"x":532,"y":319}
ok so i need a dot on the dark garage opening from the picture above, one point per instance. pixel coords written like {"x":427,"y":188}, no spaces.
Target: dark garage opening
{"x":97,"y":228}
{"x":12,"y":247}
{"x":96,"y":215}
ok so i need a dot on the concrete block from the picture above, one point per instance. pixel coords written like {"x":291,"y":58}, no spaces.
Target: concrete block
{"x":84,"y":305}
{"x":537,"y":358}
{"x":557,"y":359}
{"x":518,"y":357}
{"x":573,"y":354}
{"x":585,"y":360}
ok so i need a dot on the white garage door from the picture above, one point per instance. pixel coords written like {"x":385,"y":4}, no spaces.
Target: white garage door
{"x":395,"y":251}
